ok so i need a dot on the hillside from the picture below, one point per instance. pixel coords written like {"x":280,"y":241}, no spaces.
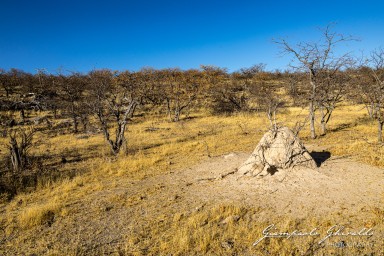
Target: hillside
{"x":175,"y":190}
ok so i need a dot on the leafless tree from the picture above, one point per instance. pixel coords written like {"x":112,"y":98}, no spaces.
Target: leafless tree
{"x":70,"y":91}
{"x":48,"y":91}
{"x":363,"y":92}
{"x":371,"y":87}
{"x":10,"y":80}
{"x":225,"y":93}
{"x":19,"y":145}
{"x":268,"y":100}
{"x":253,"y":70}
{"x":180,"y":90}
{"x":332,"y":88}
{"x":141,"y":86}
{"x":320,"y":61}
{"x":112,"y":104}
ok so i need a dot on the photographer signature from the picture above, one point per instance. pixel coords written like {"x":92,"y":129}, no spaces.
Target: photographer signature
{"x":335,"y":231}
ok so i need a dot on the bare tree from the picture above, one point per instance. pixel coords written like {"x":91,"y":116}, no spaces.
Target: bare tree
{"x":9,"y":81}
{"x":363,"y":92}
{"x":142,"y":86}
{"x":253,"y":70}
{"x":180,"y":90}
{"x":319,"y":60}
{"x":112,"y":104}
{"x":268,"y":100}
{"x":48,"y":93}
{"x":71,"y":89}
{"x":371,"y":88}
{"x":19,"y":145}
{"x":147,"y":86}
{"x":226,"y":93}
{"x":377,"y":61}
{"x":332,"y":87}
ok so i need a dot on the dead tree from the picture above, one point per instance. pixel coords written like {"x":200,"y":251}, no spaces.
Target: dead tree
{"x":371,"y":88}
{"x":332,"y":87}
{"x":377,"y":62}
{"x":48,"y":94}
{"x":19,"y":144}
{"x":9,"y":81}
{"x":180,"y":90}
{"x":111,"y":104}
{"x":363,"y":92}
{"x":318,"y":60}
{"x":268,"y":101}
{"x":241,"y":90}
{"x":225,"y":94}
{"x":70,"y":91}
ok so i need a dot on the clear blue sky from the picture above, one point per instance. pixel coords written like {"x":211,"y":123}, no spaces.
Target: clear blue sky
{"x":83,"y":35}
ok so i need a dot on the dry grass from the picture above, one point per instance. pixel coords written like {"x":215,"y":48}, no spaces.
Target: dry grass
{"x":157,"y":146}
{"x":38,"y":214}
{"x":233,"y":229}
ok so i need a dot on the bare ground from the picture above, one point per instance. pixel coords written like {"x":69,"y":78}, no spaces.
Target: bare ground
{"x":107,"y":218}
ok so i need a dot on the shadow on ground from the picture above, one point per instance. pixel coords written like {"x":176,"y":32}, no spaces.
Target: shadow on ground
{"x":320,"y":157}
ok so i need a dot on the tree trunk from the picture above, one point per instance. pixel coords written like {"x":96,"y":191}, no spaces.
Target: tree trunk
{"x":312,"y":104}
{"x":121,"y":125}
{"x":19,"y":151}
{"x":370,"y":111}
{"x":55,"y":112}
{"x":15,"y":155}
{"x":177,"y":115}
{"x":176,"y":118}
{"x":371,"y":108}
{"x":380,"y":130}
{"x":132,"y":111}
{"x":84,"y":122}
{"x":169,"y":109}
{"x":323,"y":127}
{"x":323,"y":122}
{"x":120,"y":137}
{"x":312,"y":119}
{"x":75,"y":124}
{"x":375,"y":110}
{"x":22,"y":115}
{"x":104,"y":125}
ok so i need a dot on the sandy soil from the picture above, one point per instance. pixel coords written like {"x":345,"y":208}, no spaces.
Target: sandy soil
{"x":339,"y":183}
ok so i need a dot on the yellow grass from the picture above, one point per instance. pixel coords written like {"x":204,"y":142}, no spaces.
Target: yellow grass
{"x":38,"y":214}
{"x":210,"y":232}
{"x":174,"y":146}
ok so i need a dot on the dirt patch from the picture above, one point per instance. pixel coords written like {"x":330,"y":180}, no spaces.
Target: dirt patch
{"x":339,"y":184}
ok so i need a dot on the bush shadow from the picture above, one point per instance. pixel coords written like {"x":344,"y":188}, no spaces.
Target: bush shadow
{"x":320,"y":157}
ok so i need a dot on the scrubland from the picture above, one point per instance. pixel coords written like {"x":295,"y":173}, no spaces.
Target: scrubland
{"x":94,"y":203}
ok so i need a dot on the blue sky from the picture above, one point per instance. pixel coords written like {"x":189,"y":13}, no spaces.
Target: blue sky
{"x":120,"y":35}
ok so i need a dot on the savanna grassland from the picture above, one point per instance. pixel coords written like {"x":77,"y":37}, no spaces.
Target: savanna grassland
{"x":157,"y":196}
